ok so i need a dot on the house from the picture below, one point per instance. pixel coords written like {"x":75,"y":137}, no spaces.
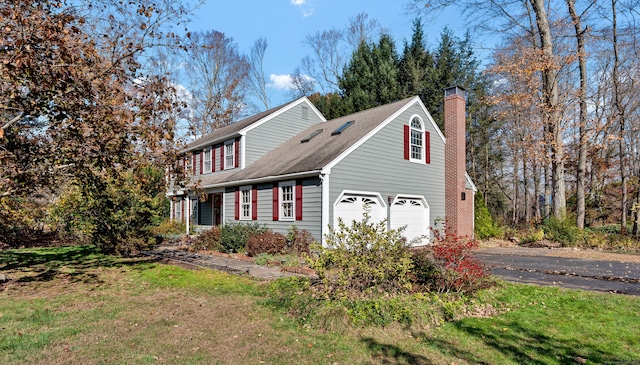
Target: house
{"x":290,"y":166}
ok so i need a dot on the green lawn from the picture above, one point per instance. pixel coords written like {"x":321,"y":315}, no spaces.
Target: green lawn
{"x":73,"y":305}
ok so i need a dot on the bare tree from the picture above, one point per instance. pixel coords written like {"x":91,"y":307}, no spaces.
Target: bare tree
{"x":257,"y":78}
{"x":301,"y":85}
{"x":362,"y":29}
{"x":218,"y":76}
{"x":327,"y":60}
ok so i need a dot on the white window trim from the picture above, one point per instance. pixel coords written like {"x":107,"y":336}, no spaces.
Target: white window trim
{"x":422,"y":148}
{"x":281,"y":201}
{"x":226,"y":155}
{"x":177,"y":213}
{"x":244,"y":189}
{"x":205,"y":159}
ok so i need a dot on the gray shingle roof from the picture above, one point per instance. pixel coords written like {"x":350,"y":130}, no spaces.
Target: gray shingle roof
{"x":232,"y":129}
{"x":294,"y":156}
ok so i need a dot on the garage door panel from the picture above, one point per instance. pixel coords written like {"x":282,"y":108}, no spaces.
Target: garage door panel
{"x":352,"y":207}
{"x":413,"y":214}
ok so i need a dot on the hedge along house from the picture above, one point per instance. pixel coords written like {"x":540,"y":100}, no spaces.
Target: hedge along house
{"x":289,"y":166}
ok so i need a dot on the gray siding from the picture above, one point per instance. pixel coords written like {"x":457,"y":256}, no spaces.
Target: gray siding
{"x":276,"y":131}
{"x":379,"y":166}
{"x":311,"y":208}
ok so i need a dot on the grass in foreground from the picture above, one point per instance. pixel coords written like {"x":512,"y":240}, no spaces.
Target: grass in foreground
{"x":74,"y":306}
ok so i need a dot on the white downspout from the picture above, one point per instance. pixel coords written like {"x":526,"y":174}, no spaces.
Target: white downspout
{"x":324,"y":177}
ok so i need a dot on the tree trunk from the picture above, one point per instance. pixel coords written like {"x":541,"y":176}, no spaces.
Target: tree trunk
{"x":527,"y":193}
{"x":582,"y":99}
{"x":552,"y":113}
{"x":621,"y":119}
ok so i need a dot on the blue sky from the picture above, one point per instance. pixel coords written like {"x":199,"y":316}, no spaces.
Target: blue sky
{"x":286,"y":23}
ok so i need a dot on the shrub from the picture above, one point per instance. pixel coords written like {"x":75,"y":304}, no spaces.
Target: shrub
{"x":425,"y":270}
{"x":362,"y":260}
{"x":484,"y":225}
{"x":207,"y":240}
{"x":459,"y":270}
{"x":533,"y":235}
{"x":234,"y":236}
{"x":562,"y":231}
{"x":169,"y":227}
{"x":267,"y":242}
{"x":299,"y":241}
{"x":449,"y":266}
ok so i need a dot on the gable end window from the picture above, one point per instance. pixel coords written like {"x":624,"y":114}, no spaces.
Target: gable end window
{"x":417,"y":142}
{"x":416,"y":139}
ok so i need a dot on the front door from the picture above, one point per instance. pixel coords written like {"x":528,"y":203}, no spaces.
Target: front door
{"x":217,"y":208}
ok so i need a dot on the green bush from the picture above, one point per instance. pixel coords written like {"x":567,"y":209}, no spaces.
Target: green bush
{"x":484,"y":225}
{"x":533,"y":235}
{"x":207,"y":240}
{"x":363,"y":260}
{"x":562,"y":231}
{"x":116,"y":212}
{"x":169,"y":227}
{"x":234,"y":236}
{"x":299,"y":241}
{"x":267,"y":242}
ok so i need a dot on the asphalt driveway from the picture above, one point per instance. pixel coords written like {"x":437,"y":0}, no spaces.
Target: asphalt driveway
{"x":540,"y":266}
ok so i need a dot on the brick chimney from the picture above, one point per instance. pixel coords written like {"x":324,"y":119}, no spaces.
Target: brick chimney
{"x":458,"y":199}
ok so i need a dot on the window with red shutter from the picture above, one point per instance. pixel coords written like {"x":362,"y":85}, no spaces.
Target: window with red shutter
{"x":407,"y":132}
{"x":254,"y":202}
{"x":237,"y":152}
{"x":237,"y":204}
{"x":299,"y":200}
{"x":275,"y":206}
{"x":427,"y":147}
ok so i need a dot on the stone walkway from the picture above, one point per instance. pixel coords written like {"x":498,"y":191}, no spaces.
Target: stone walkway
{"x":230,"y":265}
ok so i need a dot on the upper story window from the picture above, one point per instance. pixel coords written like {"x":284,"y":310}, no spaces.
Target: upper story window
{"x":417,"y":139}
{"x":287,"y":201}
{"x":207,"y":161}
{"x":229,"y":156}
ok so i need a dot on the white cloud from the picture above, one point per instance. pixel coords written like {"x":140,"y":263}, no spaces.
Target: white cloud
{"x":283,"y":82}
{"x":304,"y":6}
{"x":280,"y":82}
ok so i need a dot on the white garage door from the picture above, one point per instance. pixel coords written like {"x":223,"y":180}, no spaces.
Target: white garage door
{"x":414,"y":214}
{"x":351,"y":207}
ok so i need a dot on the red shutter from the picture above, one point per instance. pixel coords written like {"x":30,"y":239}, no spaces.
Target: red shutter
{"x":193,"y":163}
{"x":182,"y":212}
{"x":427,"y":147}
{"x":275,"y":206}
{"x":237,"y":152}
{"x":213,"y":159}
{"x":298,"y":200}
{"x":406,"y":142}
{"x":222,"y":157}
{"x":254,"y":202}
{"x":201,"y":161}
{"x":237,"y":204}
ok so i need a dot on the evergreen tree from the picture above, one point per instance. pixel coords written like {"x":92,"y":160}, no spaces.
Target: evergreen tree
{"x":416,"y":64}
{"x":371,"y":77}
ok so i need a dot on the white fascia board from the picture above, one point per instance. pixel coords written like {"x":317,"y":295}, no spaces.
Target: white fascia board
{"x":473,"y":186}
{"x":430,"y":118}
